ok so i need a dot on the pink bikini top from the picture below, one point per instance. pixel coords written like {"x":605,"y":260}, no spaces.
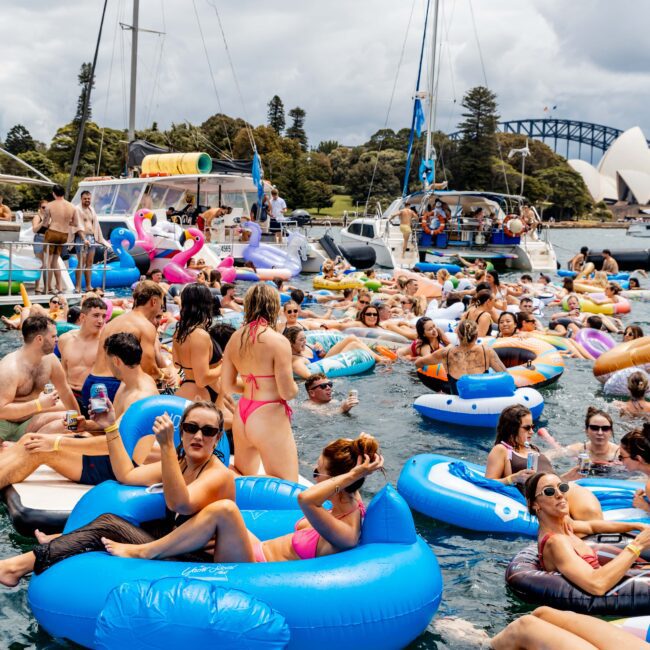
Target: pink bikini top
{"x":305,"y":540}
{"x":590,"y":558}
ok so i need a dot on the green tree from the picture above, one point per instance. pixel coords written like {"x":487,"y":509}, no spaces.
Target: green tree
{"x":568,"y":192}
{"x":276,"y":119}
{"x":386,"y":185}
{"x":266,"y":141}
{"x":297,"y":129}
{"x":327,"y":146}
{"x":19,"y":140}
{"x":220,"y":131}
{"x":478,"y":143}
{"x":87,"y":83}
{"x":318,"y":195}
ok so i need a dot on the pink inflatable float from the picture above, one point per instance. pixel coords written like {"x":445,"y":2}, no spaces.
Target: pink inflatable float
{"x":145,"y":239}
{"x":227,"y":269}
{"x":175,"y":271}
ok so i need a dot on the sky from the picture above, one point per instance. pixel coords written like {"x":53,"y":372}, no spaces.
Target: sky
{"x":350,"y":64}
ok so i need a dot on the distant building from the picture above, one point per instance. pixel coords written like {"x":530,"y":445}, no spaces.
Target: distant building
{"x":623,"y":173}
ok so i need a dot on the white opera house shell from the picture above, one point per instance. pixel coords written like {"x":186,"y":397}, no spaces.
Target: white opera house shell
{"x":623,"y":173}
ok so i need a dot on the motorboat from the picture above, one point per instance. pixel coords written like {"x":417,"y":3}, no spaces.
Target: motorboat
{"x":639,"y":229}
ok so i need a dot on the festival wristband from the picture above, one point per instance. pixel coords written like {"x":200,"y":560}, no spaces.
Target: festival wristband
{"x":508,"y":480}
{"x":57,"y":443}
{"x":111,"y":428}
{"x":634,"y":549}
{"x":39,"y":407}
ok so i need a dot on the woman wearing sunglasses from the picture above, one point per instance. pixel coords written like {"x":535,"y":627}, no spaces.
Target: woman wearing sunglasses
{"x":429,"y":339}
{"x":339,"y":474}
{"x":599,"y":431}
{"x":507,"y":462}
{"x":302,"y":354}
{"x":635,"y":456}
{"x":560,"y":545}
{"x":192,"y":477}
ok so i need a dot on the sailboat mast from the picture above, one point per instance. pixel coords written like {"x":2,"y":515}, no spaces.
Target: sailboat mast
{"x":134,"y":68}
{"x":430,"y":152}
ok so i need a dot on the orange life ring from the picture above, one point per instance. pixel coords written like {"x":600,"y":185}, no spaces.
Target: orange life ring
{"x":506,"y":231}
{"x":424,"y":222}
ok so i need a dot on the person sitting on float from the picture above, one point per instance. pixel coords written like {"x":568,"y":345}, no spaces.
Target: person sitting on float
{"x":302,"y":354}
{"x":339,"y":474}
{"x":611,"y":295}
{"x":634,"y":284}
{"x":632,"y":332}
{"x":570,"y":322}
{"x":506,"y":325}
{"x":480,"y":311}
{"x":507,"y":462}
{"x":560,"y":543}
{"x":467,"y":358}
{"x":638,"y":405}
{"x":429,"y":339}
{"x":192,"y":476}
{"x":635,"y":456}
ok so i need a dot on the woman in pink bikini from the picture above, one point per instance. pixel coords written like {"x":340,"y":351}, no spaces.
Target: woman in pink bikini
{"x":262,"y":358}
{"x":341,"y":470}
{"x":559,"y":539}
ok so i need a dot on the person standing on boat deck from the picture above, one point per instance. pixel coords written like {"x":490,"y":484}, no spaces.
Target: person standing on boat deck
{"x":610,"y":265}
{"x":5,"y":210}
{"x":88,"y":235}
{"x":262,"y":218}
{"x":83,"y":457}
{"x":209,"y":216}
{"x":59,"y":220}
{"x":24,"y":374}
{"x":278,"y":211}
{"x":406,"y":216}
{"x":262,"y":357}
{"x":530,"y":219}
{"x":147,"y":305}
{"x":39,"y":235}
{"x":577,"y":262}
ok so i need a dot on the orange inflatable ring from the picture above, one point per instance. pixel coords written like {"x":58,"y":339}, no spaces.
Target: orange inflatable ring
{"x":442,"y":220}
{"x":633,"y":353}
{"x":424,"y":224}
{"x":507,"y":232}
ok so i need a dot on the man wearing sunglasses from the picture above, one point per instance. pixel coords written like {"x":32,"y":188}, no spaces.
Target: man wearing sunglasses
{"x":83,"y":457}
{"x":319,"y":392}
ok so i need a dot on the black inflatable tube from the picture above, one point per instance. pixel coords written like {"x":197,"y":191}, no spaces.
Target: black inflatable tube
{"x":628,"y":260}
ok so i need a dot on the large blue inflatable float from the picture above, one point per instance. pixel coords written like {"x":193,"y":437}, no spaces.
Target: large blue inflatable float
{"x":458,"y":493}
{"x":381,"y":594}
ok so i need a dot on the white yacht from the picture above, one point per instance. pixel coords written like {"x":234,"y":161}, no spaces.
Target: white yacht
{"x":462,"y":235}
{"x":639,"y":229}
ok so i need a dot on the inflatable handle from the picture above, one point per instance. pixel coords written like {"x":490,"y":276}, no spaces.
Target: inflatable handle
{"x":388,"y":520}
{"x":498,"y":384}
{"x":189,"y":613}
{"x":139,"y":418}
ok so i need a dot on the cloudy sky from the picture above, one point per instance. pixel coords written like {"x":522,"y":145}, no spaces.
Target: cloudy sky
{"x":339,"y":60}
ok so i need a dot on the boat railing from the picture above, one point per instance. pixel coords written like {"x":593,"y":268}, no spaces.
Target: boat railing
{"x":13,"y":272}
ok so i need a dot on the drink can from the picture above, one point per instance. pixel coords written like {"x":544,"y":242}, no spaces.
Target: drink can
{"x":98,"y":397}
{"x":48,"y":388}
{"x":354,"y":393}
{"x":71,"y":420}
{"x":532,"y":460}
{"x":584,"y":464}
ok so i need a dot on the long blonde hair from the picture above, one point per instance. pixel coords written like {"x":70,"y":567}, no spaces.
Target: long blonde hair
{"x":262,"y":301}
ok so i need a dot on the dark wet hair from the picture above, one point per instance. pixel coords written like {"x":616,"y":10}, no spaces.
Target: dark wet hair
{"x":57,"y":190}
{"x":509,"y":423}
{"x":501,"y":317}
{"x":530,"y":489}
{"x":126,"y":347}
{"x":419,"y":329}
{"x":74,"y":314}
{"x":35,"y":325}
{"x":343,"y":454}
{"x":595,"y":323}
{"x":636,"y":281}
{"x":291,"y":333}
{"x":452,"y":298}
{"x":637,"y":330}
{"x":220,"y":333}
{"x":312,"y":379}
{"x":495,"y":276}
{"x":592,"y":411}
{"x":637,"y":443}
{"x":297,"y":295}
{"x":362,"y":314}
{"x":209,"y":406}
{"x":92,"y":303}
{"x":215,"y":277}
{"x":637,"y":384}
{"x":226,"y":287}
{"x":196,"y":310}
{"x":567,"y":284}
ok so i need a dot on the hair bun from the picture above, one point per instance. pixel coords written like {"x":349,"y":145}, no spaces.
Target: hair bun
{"x":364,"y":445}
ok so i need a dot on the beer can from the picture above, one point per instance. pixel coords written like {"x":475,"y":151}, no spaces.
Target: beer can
{"x":353,"y":393}
{"x":532,"y":460}
{"x":71,"y":420}
{"x":584,"y":464}
{"x":98,"y":397}
{"x":48,"y":388}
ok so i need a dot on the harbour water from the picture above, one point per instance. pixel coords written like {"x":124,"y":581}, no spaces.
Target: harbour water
{"x":473,"y":565}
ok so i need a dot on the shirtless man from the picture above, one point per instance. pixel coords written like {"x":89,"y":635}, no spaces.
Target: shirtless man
{"x":228,"y":298}
{"x":61,"y":216}
{"x":147,"y":304}
{"x":610,"y":265}
{"x":88,"y":235}
{"x":5,"y":211}
{"x":24,"y":375}
{"x":84,"y":458}
{"x":577,"y":262}
{"x":530,"y":219}
{"x":209,"y":215}
{"x":406,"y":215}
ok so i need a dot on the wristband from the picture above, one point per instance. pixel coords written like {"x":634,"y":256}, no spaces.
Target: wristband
{"x":57,"y":442}
{"x":509,"y":480}
{"x":39,"y":407}
{"x":634,"y":549}
{"x":111,"y":428}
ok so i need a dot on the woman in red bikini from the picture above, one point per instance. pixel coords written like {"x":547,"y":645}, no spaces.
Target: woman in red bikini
{"x":262,"y":358}
{"x":341,"y":470}
{"x":561,"y":547}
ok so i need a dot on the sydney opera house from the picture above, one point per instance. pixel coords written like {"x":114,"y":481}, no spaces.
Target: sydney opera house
{"x":623,"y":173}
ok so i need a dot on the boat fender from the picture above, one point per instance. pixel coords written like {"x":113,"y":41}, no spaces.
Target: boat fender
{"x":499,"y":384}
{"x":173,"y":613}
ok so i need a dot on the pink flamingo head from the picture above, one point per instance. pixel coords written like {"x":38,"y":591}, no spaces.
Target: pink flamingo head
{"x":145,"y":239}
{"x":226,"y":262}
{"x":196,"y":237}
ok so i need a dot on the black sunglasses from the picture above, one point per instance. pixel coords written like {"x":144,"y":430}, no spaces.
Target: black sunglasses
{"x":192,"y":428}
{"x":374,"y":313}
{"x":326,"y":384}
{"x":527,"y":427}
{"x":549,"y":490}
{"x":364,"y":302}
{"x":292,"y":311}
{"x":600,"y":427}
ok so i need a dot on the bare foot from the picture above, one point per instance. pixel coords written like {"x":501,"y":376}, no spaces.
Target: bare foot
{"x":9,"y":575}
{"x":44,"y":538}
{"x":124,"y":550}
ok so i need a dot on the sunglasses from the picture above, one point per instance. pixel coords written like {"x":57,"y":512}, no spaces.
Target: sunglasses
{"x":621,"y":458}
{"x":192,"y":428}
{"x":326,"y":384}
{"x":598,"y":427}
{"x":527,"y":427}
{"x":364,"y":302}
{"x":316,"y":474}
{"x":54,"y":302}
{"x":374,"y":314}
{"x":292,"y":311}
{"x":549,"y":490}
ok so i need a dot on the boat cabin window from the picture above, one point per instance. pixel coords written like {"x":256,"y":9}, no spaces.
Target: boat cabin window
{"x":109,"y":226}
{"x":362,"y":229}
{"x":128,"y":198}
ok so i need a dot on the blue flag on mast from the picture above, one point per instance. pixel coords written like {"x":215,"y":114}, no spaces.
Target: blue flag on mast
{"x":257,"y":176}
{"x":419,"y":117}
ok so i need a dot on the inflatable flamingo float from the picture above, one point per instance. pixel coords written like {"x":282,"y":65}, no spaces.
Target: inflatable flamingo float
{"x":175,"y":271}
{"x":145,"y":239}
{"x":227,"y":269}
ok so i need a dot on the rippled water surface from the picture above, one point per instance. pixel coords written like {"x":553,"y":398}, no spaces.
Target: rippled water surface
{"x":473,"y":565}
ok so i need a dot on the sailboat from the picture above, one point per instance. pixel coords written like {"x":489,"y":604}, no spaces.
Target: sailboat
{"x":475,"y":224}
